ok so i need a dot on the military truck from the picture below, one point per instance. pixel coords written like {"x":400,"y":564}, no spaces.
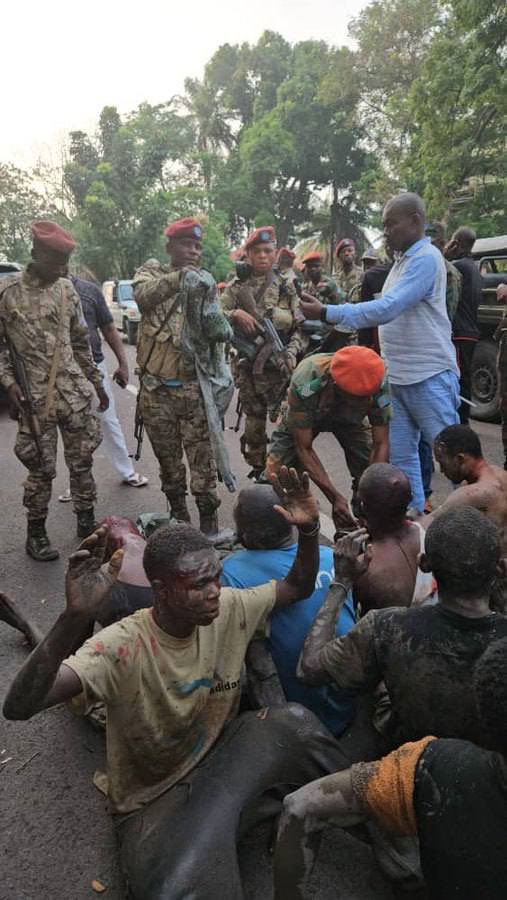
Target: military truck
{"x":491,"y":256}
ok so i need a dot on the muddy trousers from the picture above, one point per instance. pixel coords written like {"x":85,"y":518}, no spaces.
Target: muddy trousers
{"x":81,"y":435}
{"x":183,"y":845}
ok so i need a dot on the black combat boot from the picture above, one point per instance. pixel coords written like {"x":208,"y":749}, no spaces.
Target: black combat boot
{"x":178,"y":507}
{"x":86,"y":522}
{"x":37,"y":542}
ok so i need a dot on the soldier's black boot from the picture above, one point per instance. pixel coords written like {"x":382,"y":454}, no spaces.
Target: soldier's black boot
{"x":178,"y":507}
{"x":86,"y":522}
{"x":38,"y":545}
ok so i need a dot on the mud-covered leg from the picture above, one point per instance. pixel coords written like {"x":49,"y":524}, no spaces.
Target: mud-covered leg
{"x":305,"y":813}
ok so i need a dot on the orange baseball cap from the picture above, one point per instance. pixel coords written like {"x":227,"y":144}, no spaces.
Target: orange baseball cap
{"x":358,"y":371}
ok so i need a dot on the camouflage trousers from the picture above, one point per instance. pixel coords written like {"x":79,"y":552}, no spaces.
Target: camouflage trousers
{"x":354,"y":439}
{"x":175,"y":420}
{"x":502,"y":379}
{"x":259,"y":395}
{"x":81,"y":435}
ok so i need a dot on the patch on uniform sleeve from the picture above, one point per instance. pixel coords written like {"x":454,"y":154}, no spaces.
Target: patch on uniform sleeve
{"x":308,"y":389}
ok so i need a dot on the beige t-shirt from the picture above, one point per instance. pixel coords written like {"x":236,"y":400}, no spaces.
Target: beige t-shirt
{"x":167,"y":698}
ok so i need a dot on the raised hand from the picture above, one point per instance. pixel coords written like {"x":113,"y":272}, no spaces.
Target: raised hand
{"x":351,"y":559}
{"x":86,"y":584}
{"x":300,"y":507}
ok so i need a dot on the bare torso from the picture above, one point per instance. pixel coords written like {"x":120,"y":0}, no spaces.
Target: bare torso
{"x":488,"y":494}
{"x":392,"y":572}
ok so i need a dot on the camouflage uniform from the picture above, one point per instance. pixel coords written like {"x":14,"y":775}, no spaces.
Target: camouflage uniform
{"x":347,"y":281}
{"x":453,"y":289}
{"x":331,"y":293}
{"x":29,"y":317}
{"x":261,"y":394}
{"x":350,"y":418}
{"x":170,"y":400}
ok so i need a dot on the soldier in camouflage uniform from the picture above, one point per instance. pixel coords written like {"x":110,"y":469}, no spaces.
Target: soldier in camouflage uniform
{"x":347,"y":276}
{"x":170,"y":400}
{"x":42,"y":321}
{"x":317,"y":283}
{"x":262,"y":288}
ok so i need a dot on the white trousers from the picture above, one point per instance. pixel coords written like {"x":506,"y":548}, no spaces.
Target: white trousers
{"x":113,"y":439}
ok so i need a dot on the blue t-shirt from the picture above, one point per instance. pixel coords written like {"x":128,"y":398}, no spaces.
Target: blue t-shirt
{"x":289,"y":627}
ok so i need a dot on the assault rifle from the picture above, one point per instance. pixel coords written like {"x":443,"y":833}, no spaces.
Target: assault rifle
{"x":21,"y":377}
{"x":138,"y":428}
{"x":268,"y":344}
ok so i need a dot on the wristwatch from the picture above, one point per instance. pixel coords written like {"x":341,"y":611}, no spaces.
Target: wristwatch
{"x":323,"y":313}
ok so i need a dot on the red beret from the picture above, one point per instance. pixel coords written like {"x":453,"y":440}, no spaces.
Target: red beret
{"x":53,"y":237}
{"x":184,"y":228}
{"x":345,"y":242}
{"x":264,"y":235}
{"x":285,"y":251}
{"x":357,"y":370}
{"x":314,"y":256}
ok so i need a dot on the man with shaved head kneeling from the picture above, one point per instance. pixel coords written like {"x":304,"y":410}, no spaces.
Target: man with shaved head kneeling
{"x":186,"y":774}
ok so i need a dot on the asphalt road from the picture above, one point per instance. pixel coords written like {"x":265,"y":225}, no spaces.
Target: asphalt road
{"x":55,"y":834}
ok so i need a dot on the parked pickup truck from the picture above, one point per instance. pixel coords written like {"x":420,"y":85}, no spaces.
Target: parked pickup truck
{"x":119,"y":297}
{"x":491,"y":256}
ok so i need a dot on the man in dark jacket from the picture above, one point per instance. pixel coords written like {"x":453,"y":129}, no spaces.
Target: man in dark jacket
{"x":465,"y":332}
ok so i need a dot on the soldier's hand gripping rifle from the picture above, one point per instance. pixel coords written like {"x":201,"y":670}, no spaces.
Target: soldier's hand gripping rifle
{"x":29,"y":413}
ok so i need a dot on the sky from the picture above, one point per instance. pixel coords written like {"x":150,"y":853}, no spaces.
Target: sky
{"x":62,"y":62}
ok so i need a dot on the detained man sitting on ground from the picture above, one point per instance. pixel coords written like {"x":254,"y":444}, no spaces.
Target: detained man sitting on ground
{"x":423,"y":652}
{"x":186,"y":774}
{"x":269,"y":553}
{"x":393,"y":577}
{"x":482,"y":485}
{"x":451,"y":793}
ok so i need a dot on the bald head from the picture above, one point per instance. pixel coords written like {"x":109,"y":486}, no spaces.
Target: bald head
{"x":461,"y":243}
{"x":404,"y":218}
{"x":259,"y":525}
{"x":385,"y":494}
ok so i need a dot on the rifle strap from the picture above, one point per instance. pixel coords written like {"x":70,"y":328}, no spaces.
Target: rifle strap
{"x":55,"y":362}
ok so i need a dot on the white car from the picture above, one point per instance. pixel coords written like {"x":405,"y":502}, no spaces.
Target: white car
{"x":119,"y":297}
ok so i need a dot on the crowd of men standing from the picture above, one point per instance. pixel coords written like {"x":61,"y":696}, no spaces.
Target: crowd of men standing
{"x":380,"y":357}
{"x":417,"y":310}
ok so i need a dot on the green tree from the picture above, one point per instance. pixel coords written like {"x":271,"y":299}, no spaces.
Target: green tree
{"x":20,"y":205}
{"x":457,"y":157}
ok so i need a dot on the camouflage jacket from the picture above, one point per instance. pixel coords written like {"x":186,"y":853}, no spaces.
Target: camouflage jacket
{"x":30,"y":318}
{"x":453,"y":289}
{"x":174,"y":302}
{"x":347,"y":281}
{"x":279,"y":300}
{"x":331,"y":293}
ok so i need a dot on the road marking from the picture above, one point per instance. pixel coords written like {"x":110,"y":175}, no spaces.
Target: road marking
{"x":133,"y":390}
